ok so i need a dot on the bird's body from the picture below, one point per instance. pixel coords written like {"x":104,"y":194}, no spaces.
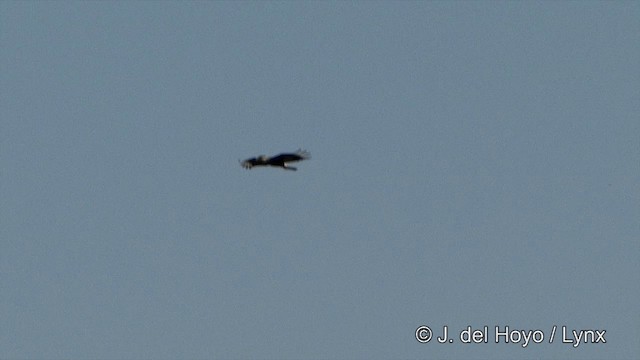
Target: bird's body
{"x":281,"y":160}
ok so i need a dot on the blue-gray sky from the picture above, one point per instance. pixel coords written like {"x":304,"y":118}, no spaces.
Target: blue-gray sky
{"x":474,"y":163}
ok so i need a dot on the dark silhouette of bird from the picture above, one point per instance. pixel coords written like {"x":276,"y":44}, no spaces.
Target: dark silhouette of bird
{"x":281,"y":160}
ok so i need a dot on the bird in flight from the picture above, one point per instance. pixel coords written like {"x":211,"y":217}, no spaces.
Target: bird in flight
{"x":281,"y":160}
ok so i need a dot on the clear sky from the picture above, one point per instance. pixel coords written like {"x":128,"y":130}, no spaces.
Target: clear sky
{"x":474,"y":164}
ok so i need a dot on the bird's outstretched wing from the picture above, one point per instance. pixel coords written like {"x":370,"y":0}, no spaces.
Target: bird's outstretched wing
{"x":290,"y":157}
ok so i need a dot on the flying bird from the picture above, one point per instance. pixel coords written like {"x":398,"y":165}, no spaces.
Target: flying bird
{"x":281,"y":160}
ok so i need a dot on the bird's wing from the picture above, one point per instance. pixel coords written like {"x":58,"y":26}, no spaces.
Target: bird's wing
{"x":291,"y":157}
